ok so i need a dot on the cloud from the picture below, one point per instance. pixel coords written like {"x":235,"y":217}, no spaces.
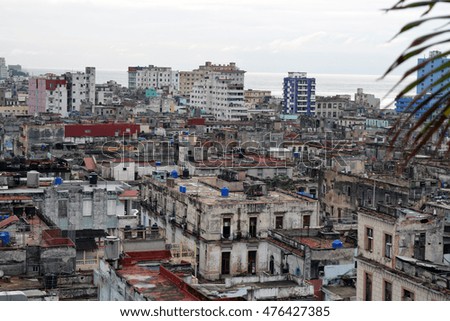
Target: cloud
{"x":297,"y":43}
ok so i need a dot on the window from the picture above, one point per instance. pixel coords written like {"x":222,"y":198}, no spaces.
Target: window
{"x":407,"y":295}
{"x":387,"y":199}
{"x":388,"y":246}
{"x":252,"y":226}
{"x":279,"y":222}
{"x":62,"y":208}
{"x":251,"y":262}
{"x":306,"y":220}
{"x":369,"y":239}
{"x":387,"y":291}
{"x":367,"y":287}
{"x":225,"y":263}
{"x":226,"y":229}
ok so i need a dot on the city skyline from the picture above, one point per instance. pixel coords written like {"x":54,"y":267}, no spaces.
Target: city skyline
{"x":261,"y":35}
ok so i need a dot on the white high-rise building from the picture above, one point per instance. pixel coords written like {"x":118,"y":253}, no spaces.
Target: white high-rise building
{"x":153,"y":77}
{"x":81,"y":88}
{"x":221,"y":94}
{"x":3,"y":68}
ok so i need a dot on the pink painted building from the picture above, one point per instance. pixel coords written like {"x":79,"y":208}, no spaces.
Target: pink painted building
{"x":47,"y":94}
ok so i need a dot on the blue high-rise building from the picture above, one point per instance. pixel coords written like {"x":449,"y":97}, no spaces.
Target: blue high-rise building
{"x":299,"y":94}
{"x":402,"y":103}
{"x":429,"y":67}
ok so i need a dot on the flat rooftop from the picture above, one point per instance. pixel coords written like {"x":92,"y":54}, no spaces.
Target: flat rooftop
{"x":198,"y":187}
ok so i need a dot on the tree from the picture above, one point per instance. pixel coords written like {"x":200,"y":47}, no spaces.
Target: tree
{"x":435,"y":120}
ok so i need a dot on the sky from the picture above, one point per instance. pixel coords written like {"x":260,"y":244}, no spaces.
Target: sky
{"x":317,"y":36}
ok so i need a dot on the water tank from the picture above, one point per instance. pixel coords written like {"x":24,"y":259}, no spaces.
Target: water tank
{"x":182,"y":189}
{"x":154,"y":229}
{"x":337,"y":244}
{"x":93,"y":177}
{"x":185,"y":173}
{"x":112,"y":248}
{"x":174,"y":174}
{"x":224,"y":191}
{"x":6,"y":216}
{"x":58,"y":181}
{"x":157,"y":163}
{"x":50,"y":281}
{"x":296,"y":155}
{"x":33,"y":179}
{"x":4,"y":238}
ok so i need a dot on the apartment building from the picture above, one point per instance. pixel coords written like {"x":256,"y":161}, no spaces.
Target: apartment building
{"x":3,"y":68}
{"x":189,"y":78}
{"x":221,"y":94}
{"x":401,"y":256}
{"x":332,"y":106}
{"x":226,"y":228}
{"x":153,"y":77}
{"x":80,"y":89}
{"x":47,"y":94}
{"x":299,"y":94}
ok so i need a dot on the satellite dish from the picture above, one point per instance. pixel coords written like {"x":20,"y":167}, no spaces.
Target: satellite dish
{"x":2,"y":273}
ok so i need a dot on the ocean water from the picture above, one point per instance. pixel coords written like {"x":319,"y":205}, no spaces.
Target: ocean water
{"x":326,"y":84}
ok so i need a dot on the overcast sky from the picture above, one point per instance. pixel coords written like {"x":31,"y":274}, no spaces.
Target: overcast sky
{"x":317,"y":36}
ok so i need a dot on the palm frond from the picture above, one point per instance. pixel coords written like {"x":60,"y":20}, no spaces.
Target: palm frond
{"x":436,"y":118}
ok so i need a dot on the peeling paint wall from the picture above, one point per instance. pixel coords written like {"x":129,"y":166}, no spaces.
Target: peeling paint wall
{"x":13,"y":261}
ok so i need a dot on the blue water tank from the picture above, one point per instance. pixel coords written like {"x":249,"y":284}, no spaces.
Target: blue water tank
{"x":174,"y":174}
{"x":58,"y":180}
{"x":4,"y":238}
{"x":158,"y":163}
{"x":5,"y":216}
{"x":296,"y":155}
{"x":182,"y":189}
{"x":224,"y":191}
{"x":337,"y":244}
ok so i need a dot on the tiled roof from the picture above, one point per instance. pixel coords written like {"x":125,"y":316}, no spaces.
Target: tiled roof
{"x":89,"y":163}
{"x":129,"y":194}
{"x":10,"y":220}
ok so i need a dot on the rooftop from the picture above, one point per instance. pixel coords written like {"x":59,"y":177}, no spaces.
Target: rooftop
{"x":199,"y":187}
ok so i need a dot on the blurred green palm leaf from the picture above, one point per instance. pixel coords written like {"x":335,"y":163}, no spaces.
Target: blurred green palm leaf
{"x":435,"y":120}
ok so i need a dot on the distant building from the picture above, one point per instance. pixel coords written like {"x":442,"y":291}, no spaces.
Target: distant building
{"x":403,"y":103}
{"x":331,"y":107}
{"x":254,"y":98}
{"x":438,"y":61}
{"x":153,"y":77}
{"x":47,"y":94}
{"x":80,"y":89}
{"x":366,"y":100}
{"x":189,"y":78}
{"x":221,"y":93}
{"x":3,"y":69}
{"x":299,"y":94}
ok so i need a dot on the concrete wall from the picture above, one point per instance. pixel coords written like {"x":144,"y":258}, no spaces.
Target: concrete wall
{"x":93,"y":210}
{"x":112,"y":287}
{"x":379,"y":275}
{"x":13,"y":261}
{"x":58,"y":260}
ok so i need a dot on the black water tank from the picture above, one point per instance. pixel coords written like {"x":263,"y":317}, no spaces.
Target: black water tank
{"x":93,"y":177}
{"x":50,"y":281}
{"x":185,"y":173}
